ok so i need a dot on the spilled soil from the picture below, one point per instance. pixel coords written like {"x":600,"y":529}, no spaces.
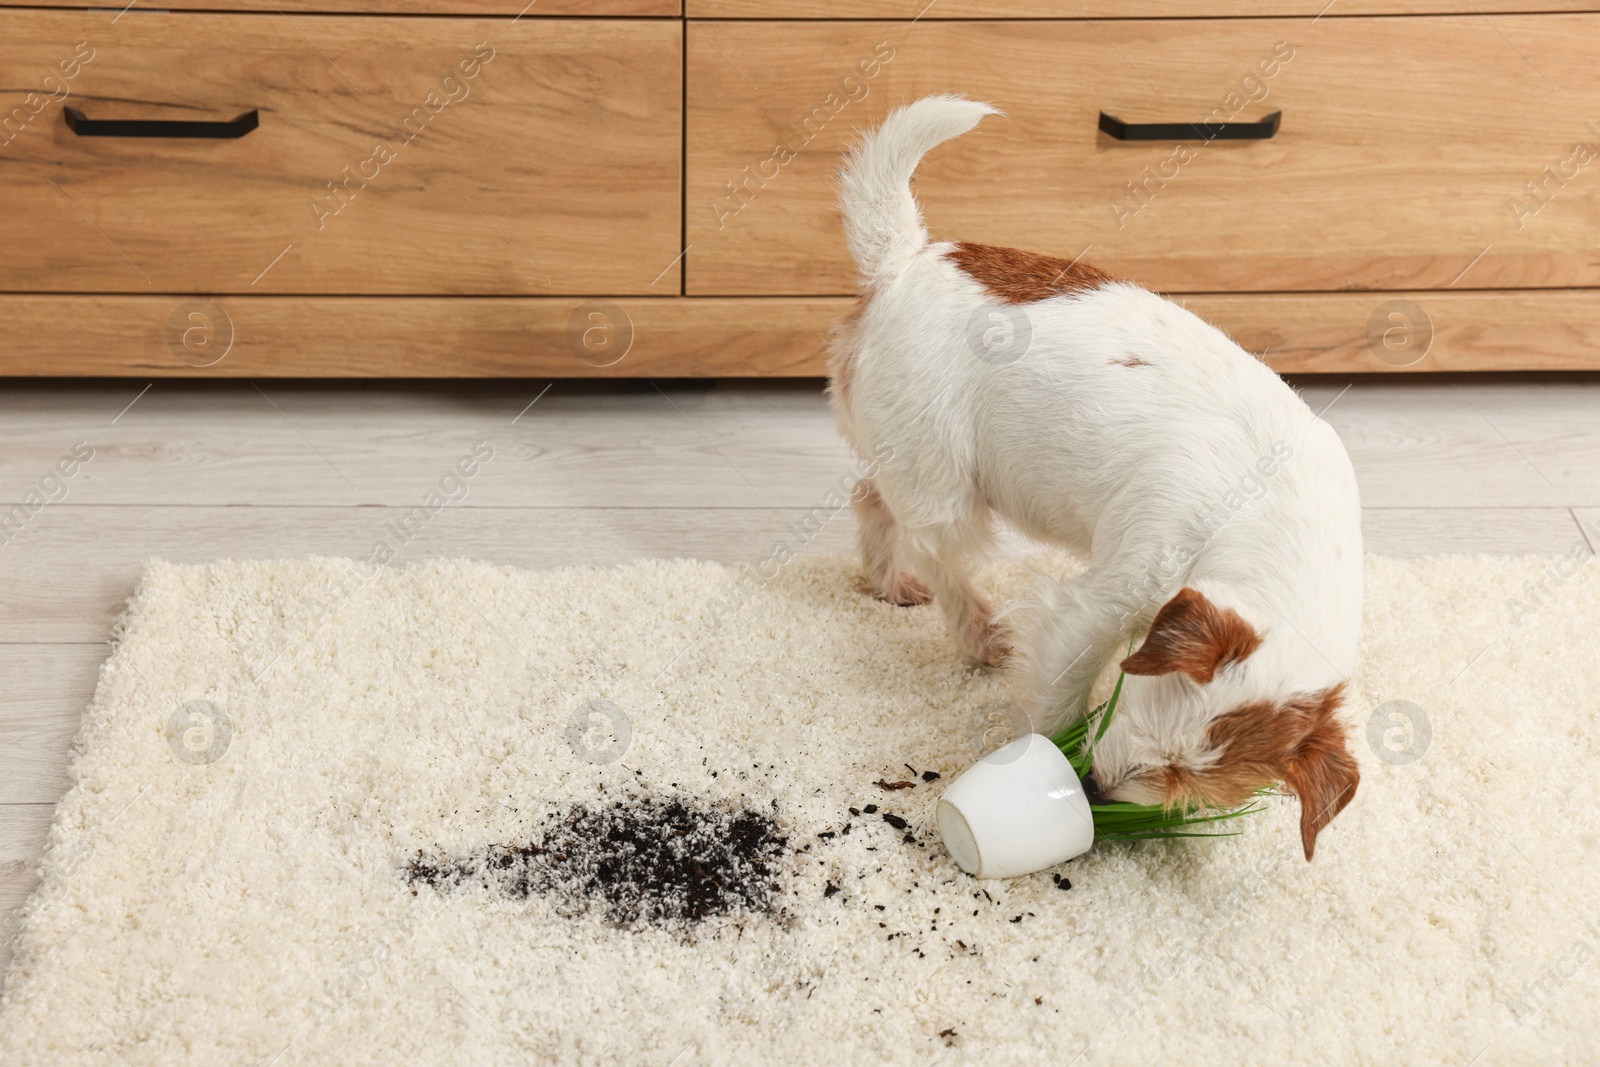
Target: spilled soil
{"x":663,"y":861}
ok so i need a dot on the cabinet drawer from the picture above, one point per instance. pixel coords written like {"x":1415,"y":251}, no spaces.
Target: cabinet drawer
{"x":1098,"y":9}
{"x":392,"y":155}
{"x":1403,"y":161}
{"x":512,"y":8}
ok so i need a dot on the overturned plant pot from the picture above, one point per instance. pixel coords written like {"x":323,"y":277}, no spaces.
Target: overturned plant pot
{"x":1020,"y":809}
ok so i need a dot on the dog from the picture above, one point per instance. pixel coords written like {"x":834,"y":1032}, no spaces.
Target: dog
{"x":1219,"y":516}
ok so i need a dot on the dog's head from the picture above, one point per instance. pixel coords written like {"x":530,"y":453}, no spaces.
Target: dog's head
{"x":1210,"y":713}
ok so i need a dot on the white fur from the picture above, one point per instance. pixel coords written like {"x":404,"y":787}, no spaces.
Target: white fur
{"x":882,"y":224}
{"x":1155,"y":473}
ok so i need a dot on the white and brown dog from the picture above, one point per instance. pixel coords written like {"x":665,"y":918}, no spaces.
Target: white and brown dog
{"x":1218,"y":514}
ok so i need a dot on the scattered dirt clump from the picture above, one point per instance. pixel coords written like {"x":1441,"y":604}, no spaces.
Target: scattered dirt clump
{"x":662,"y":861}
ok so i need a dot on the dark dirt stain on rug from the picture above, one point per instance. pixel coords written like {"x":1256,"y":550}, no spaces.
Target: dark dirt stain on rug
{"x":663,"y":861}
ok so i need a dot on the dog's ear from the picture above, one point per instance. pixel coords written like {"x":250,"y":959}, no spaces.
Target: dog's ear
{"x":1321,"y":771}
{"x":1193,"y":635}
{"x":1299,"y":742}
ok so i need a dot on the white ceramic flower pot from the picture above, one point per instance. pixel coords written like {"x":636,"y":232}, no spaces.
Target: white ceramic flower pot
{"x":1018,"y":810}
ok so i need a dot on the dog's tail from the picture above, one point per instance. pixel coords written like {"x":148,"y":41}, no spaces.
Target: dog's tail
{"x":882,"y":225}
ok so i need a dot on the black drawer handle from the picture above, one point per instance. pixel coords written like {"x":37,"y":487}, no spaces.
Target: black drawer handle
{"x":1179,"y":131}
{"x":84,"y":126}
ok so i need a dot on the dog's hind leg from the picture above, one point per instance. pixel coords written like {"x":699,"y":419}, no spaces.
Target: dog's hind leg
{"x":879,"y":538}
{"x":941,"y":556}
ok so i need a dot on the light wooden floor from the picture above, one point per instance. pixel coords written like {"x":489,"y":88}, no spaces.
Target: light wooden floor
{"x":592,"y":474}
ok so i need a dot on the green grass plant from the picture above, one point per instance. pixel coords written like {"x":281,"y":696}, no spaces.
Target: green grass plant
{"x":1140,"y":822}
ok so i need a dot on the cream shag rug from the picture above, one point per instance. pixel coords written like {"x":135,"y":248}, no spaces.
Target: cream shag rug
{"x":321,"y":815}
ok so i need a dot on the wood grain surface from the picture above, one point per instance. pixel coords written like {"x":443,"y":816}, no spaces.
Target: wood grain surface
{"x":512,"y":8}
{"x":1102,"y":9}
{"x":413,"y":337}
{"x":725,"y":337}
{"x":1404,"y":144}
{"x":394,"y":155}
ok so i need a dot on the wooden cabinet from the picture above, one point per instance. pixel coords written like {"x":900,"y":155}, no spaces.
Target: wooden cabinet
{"x":614,"y":188}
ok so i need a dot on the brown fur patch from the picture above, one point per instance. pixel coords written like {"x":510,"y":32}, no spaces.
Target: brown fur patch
{"x":1132,"y":361}
{"x":1322,"y":773}
{"x":1018,"y":277}
{"x":1300,"y":743}
{"x":1193,"y":635}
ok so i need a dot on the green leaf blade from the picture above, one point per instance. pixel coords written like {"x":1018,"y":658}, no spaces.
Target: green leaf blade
{"x":1121,"y":821}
